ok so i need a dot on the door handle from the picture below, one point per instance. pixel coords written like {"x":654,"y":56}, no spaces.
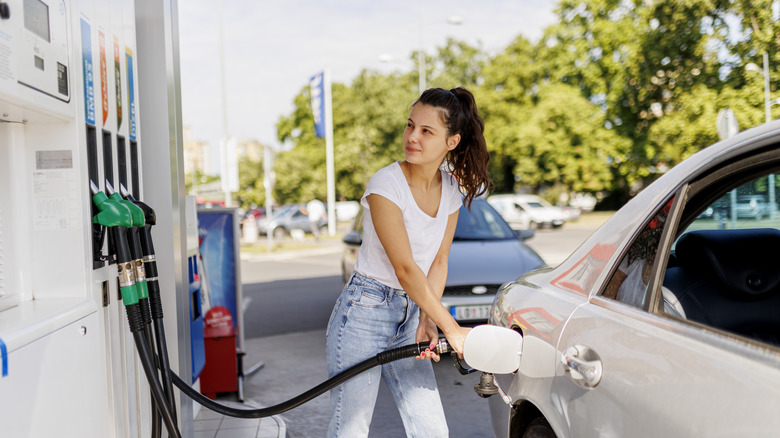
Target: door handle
{"x":583,"y":366}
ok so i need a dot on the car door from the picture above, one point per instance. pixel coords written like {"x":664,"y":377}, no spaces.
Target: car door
{"x":632,"y":365}
{"x":659,"y":377}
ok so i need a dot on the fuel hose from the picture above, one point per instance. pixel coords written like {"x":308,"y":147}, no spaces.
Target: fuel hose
{"x":381,"y":358}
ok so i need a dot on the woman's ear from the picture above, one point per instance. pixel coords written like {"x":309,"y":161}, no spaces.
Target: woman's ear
{"x":453,"y":141}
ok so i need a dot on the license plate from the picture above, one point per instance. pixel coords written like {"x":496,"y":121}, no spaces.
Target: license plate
{"x":470,"y":312}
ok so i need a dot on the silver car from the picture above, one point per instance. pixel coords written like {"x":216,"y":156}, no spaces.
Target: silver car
{"x":665,"y":322}
{"x":485,"y":254}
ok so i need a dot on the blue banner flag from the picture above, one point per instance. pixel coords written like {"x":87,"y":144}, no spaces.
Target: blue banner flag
{"x":317,"y":86}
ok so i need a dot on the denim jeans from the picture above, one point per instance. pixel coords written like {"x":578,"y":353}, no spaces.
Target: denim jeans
{"x":368,"y":318}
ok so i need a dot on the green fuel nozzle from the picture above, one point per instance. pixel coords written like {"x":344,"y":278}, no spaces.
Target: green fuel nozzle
{"x":116,"y":217}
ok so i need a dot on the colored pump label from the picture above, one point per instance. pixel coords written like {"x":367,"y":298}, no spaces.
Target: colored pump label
{"x":89,"y":84}
{"x":130,"y":91}
{"x":4,"y":357}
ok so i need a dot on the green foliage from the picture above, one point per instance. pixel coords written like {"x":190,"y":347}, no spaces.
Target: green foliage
{"x":614,"y":94}
{"x":250,"y":182}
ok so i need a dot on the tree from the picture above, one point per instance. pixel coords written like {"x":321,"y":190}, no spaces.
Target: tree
{"x":613,"y":95}
{"x":564,"y":143}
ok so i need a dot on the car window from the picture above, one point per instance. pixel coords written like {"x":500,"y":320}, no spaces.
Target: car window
{"x":724,"y":269}
{"x":746,"y":206}
{"x":482,"y":222}
{"x":629,"y":282}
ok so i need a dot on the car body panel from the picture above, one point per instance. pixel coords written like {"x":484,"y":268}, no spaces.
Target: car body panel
{"x":476,"y":262}
{"x":661,"y":375}
{"x":638,"y":351}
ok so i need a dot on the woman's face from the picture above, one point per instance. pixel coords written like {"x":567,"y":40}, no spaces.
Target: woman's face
{"x":425,"y":136}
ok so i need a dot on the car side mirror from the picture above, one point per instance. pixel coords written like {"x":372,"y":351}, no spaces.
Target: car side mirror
{"x":525,"y":234}
{"x":353,"y":238}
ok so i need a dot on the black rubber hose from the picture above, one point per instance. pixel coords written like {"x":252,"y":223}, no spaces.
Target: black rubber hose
{"x":136,"y":327}
{"x":162,"y":356}
{"x":379,"y":359}
{"x":156,"y":420}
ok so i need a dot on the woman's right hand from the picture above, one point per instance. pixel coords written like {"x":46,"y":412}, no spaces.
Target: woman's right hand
{"x":456,"y":338}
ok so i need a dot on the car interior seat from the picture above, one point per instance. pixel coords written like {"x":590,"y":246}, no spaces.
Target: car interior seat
{"x":730,"y":279}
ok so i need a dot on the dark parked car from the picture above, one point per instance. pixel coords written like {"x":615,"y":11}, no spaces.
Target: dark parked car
{"x":485,"y":253}
{"x":664,"y":322}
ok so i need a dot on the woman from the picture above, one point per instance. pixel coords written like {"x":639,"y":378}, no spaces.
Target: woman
{"x":394,"y":296}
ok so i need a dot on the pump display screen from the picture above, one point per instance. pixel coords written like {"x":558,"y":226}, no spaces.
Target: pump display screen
{"x":36,"y":18}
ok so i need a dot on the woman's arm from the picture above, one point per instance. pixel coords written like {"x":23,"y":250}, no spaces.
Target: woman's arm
{"x":389,"y":225}
{"x":437,"y":278}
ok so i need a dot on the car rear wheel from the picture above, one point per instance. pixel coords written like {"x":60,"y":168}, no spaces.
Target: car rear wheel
{"x":279,"y":233}
{"x":539,"y":428}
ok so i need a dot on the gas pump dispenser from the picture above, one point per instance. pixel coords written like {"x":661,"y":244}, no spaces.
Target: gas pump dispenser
{"x":70,"y":128}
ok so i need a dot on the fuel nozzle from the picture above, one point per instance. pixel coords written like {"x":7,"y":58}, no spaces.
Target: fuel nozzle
{"x":443,"y":347}
{"x":117,"y":219}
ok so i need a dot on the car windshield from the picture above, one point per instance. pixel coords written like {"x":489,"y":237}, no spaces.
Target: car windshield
{"x":482,"y":223}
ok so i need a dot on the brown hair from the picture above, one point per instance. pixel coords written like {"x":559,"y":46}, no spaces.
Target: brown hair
{"x":468,"y":162}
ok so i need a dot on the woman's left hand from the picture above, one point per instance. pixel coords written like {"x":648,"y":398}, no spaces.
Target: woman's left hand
{"x":427,"y":332}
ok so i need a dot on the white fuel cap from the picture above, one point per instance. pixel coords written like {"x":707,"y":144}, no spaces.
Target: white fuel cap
{"x":493,"y":349}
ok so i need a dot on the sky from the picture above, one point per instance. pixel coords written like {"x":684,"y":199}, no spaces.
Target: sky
{"x":273,"y":47}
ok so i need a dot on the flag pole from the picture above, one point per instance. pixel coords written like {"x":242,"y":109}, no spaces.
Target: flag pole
{"x":329,"y":154}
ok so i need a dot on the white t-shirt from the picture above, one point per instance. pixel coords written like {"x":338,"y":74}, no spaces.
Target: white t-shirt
{"x":425,"y":232}
{"x":316,"y":209}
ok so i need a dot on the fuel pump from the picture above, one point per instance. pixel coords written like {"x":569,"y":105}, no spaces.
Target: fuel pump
{"x":117,"y":216}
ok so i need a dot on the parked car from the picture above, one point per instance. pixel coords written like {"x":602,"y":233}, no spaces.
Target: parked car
{"x":664,"y":322}
{"x":485,"y":253}
{"x":752,"y":206}
{"x":527,"y":211}
{"x":584,"y":201}
{"x":288,"y":218}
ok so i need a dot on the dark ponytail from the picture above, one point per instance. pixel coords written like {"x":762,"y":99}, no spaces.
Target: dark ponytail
{"x":468,"y":162}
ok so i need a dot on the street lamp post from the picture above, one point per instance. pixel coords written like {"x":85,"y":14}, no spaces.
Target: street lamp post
{"x":453,"y":19}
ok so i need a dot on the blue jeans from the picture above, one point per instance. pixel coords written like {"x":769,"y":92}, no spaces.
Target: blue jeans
{"x":368,"y":318}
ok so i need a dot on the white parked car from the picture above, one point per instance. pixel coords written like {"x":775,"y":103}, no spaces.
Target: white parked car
{"x":527,"y":211}
{"x":665,"y":322}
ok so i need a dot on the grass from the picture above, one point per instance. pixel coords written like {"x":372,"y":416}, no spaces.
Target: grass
{"x":288,"y":244}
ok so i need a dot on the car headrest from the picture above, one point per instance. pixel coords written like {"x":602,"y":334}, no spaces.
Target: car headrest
{"x":744,"y":261}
